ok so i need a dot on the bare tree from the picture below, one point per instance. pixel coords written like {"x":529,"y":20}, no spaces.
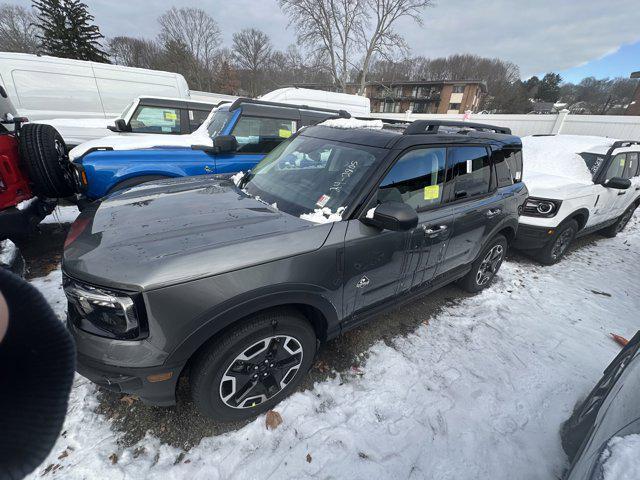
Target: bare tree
{"x":195,"y":31}
{"x":328,"y":28}
{"x":135,"y":52}
{"x":252,"y":50}
{"x":378,"y":36}
{"x":18,"y":32}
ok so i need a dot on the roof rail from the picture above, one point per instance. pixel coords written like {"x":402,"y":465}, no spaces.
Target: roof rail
{"x":432,"y":126}
{"x":621,"y":144}
{"x":239,"y":101}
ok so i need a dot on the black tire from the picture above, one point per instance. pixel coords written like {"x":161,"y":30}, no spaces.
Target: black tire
{"x":558,"y":244}
{"x":134,"y":181}
{"x":486,"y":265}
{"x":44,"y":154}
{"x":223,"y":386}
{"x":613,"y":230}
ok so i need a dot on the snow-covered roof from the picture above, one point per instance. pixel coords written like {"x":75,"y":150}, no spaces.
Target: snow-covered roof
{"x":348,"y":123}
{"x":559,"y":155}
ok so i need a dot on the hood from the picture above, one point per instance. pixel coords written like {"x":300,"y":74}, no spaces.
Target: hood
{"x":172,"y":231}
{"x":137,"y":141}
{"x":544,"y":185}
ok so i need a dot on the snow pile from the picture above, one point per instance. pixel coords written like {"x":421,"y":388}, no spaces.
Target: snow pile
{"x":479,"y":391}
{"x":26,"y":203}
{"x":324,"y":215}
{"x":559,"y":155}
{"x":8,"y":252}
{"x":622,"y":458}
{"x":60,"y":214}
{"x":348,"y":123}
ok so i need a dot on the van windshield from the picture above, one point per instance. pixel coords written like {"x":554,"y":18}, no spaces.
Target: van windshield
{"x":306,"y":174}
{"x":218,"y":122}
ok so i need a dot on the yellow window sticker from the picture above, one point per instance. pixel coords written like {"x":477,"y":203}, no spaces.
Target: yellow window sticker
{"x":622,"y":162}
{"x":284,"y":133}
{"x":432,"y":192}
{"x":170,"y":116}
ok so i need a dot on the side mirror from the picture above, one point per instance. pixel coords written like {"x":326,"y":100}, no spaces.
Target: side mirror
{"x":225,"y":144}
{"x":120,"y":126}
{"x":395,"y":216}
{"x":618,"y":183}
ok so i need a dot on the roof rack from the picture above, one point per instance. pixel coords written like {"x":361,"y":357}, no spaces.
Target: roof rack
{"x":432,"y":127}
{"x":239,"y":101}
{"x":621,"y":144}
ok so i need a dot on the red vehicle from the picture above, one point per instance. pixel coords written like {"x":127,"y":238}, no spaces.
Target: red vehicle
{"x":34,"y":172}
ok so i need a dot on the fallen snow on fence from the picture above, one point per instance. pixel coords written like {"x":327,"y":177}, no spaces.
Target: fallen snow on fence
{"x":478,"y":392}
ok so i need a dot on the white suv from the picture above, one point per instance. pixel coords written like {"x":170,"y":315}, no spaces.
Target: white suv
{"x":577,"y":185}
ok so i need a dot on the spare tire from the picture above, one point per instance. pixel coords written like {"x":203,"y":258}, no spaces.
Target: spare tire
{"x":44,"y":154}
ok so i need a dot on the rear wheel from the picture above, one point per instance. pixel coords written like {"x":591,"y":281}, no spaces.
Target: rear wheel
{"x":622,"y":221}
{"x":252,"y":367}
{"x":44,"y":153}
{"x":486,"y":266}
{"x":559,"y":243}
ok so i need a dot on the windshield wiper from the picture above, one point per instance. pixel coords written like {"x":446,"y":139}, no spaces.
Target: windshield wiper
{"x":245,"y":179}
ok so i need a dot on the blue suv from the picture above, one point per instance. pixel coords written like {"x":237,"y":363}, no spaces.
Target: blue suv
{"x":240,"y":134}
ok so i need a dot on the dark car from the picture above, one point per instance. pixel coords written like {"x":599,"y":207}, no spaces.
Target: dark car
{"x":242,"y":283}
{"x":612,"y":409}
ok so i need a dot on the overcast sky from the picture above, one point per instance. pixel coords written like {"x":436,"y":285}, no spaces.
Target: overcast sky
{"x":575,"y":37}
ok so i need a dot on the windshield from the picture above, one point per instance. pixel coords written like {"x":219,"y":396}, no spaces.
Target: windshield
{"x":219,"y":120}
{"x":593,"y":161}
{"x":306,"y":174}
{"x":125,"y":112}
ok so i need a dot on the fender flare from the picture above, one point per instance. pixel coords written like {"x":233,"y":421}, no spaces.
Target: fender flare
{"x":223,"y":316}
{"x":581,"y":211}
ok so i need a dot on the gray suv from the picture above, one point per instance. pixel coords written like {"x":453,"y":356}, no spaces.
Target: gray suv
{"x":239,"y":282}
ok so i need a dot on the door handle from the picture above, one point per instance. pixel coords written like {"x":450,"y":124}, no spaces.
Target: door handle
{"x":434,"y":231}
{"x":493,"y":212}
{"x":622,"y":193}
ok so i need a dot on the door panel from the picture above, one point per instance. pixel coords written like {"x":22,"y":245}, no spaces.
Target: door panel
{"x":232,"y":163}
{"x":373,"y":265}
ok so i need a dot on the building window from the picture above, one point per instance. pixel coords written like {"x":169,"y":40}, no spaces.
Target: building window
{"x":454,"y":106}
{"x":458,"y":89}
{"x":388,"y":107}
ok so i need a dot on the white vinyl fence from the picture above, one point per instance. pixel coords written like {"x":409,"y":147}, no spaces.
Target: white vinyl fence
{"x":625,"y":127}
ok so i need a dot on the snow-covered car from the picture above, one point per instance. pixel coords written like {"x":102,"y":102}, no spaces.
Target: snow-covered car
{"x":146,"y":115}
{"x":602,"y":437}
{"x":577,"y":185}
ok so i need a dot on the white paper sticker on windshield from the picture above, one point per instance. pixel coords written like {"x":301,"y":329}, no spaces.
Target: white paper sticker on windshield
{"x":323,"y":200}
{"x":469,"y":166}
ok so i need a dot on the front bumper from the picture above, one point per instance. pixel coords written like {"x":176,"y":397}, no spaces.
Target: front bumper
{"x":20,"y":222}
{"x":533,"y":238}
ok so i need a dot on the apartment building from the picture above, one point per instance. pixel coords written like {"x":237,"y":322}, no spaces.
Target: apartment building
{"x":433,"y":96}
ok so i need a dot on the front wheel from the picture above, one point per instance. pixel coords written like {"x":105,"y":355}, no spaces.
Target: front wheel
{"x":254,"y":366}
{"x":559,"y":243}
{"x":486,"y":266}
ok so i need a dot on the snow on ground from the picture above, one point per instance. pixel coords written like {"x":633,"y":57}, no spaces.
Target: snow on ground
{"x":621,"y":458}
{"x":352,"y":123}
{"x":62,"y":214}
{"x":478,"y":392}
{"x":558,"y":155}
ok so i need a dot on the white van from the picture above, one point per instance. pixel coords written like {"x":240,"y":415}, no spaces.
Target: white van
{"x":44,"y":87}
{"x":354,"y":104}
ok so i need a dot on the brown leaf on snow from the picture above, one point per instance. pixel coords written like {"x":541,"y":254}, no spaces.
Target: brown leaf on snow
{"x":64,"y":454}
{"x":129,"y":399}
{"x":322,"y":366}
{"x":114,"y":458}
{"x":273,"y":419}
{"x":620,"y":340}
{"x":309,"y":458}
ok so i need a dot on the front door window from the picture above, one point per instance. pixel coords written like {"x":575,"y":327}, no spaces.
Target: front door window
{"x":261,"y":135}
{"x":155,"y":120}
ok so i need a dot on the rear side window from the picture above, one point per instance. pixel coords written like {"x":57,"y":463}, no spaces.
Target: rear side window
{"x":196,"y":118}
{"x":468,"y":171}
{"x":416,"y":179}
{"x":632,"y":168}
{"x":261,"y":135}
{"x":508,"y":166}
{"x":155,"y":120}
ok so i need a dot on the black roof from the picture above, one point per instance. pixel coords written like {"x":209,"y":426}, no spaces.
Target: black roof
{"x":401,"y":135}
{"x":261,"y":108}
{"x":175,"y":103}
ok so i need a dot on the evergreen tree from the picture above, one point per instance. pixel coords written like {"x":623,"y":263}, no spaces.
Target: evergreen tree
{"x":67,"y":30}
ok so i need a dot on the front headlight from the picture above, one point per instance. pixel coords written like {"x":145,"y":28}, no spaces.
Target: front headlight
{"x":103,"y":312}
{"x":541,"y":207}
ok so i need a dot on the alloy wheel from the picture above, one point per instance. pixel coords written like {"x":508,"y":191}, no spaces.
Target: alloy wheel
{"x":63,"y":162}
{"x":562,"y":243}
{"x":260,"y":371}
{"x":489,"y":265}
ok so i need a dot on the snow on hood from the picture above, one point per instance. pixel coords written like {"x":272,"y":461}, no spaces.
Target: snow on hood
{"x":558,"y":155}
{"x":348,"y":123}
{"x":79,"y":122}
{"x":621,"y":458}
{"x":140,"y":141}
